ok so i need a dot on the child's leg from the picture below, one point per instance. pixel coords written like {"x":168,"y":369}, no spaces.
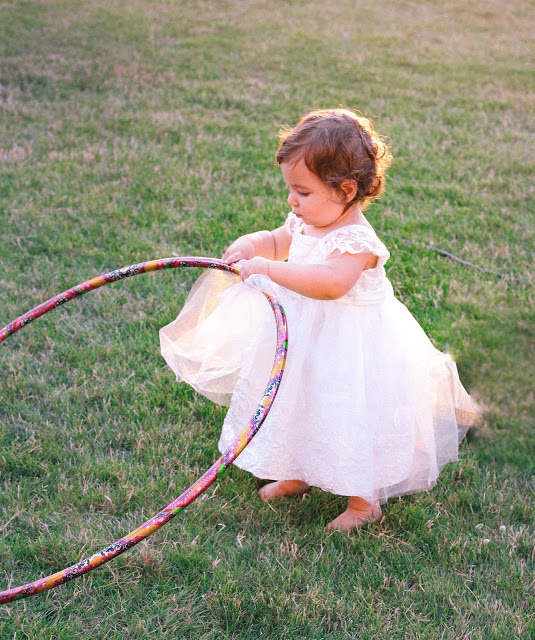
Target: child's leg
{"x":358,"y":512}
{"x":283,"y":488}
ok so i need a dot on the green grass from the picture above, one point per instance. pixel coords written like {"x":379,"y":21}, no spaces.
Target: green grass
{"x":130,"y":131}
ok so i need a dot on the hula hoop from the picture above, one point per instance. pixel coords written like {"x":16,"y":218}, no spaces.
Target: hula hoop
{"x":214,"y":472}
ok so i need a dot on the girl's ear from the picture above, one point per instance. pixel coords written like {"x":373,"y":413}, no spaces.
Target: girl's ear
{"x":349,"y":187}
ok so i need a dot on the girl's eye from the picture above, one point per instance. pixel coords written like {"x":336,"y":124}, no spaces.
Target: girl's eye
{"x":301,"y":193}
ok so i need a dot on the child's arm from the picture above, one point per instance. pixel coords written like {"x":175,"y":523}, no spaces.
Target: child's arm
{"x":326,"y":281}
{"x":273,"y":245}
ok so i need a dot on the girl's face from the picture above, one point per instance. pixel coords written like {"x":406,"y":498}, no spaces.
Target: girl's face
{"x":311,"y":199}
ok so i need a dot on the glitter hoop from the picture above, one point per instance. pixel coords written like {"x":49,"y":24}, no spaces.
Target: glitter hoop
{"x":214,"y":472}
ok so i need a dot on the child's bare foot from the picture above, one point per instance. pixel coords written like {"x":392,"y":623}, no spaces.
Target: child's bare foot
{"x":283,"y":488}
{"x":358,"y":513}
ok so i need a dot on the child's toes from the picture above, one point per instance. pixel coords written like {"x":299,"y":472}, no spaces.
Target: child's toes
{"x":283,"y":488}
{"x":352,"y":519}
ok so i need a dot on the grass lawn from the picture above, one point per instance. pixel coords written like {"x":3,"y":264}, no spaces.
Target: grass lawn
{"x":136,"y":130}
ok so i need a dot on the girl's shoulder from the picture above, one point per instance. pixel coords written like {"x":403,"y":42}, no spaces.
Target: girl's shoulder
{"x":355,"y":238}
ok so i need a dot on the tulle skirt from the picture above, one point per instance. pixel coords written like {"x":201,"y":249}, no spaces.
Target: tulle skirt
{"x":366,"y":407}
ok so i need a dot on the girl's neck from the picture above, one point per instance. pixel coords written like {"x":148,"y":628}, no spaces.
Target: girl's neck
{"x":352,"y":216}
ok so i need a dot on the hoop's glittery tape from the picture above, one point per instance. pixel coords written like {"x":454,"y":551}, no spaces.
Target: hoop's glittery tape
{"x":198,"y":487}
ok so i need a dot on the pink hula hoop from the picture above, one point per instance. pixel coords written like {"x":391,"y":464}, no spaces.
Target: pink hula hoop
{"x":216,"y":470}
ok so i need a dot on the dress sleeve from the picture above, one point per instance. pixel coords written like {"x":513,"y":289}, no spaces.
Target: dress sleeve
{"x":293,"y":224}
{"x":356,"y":239}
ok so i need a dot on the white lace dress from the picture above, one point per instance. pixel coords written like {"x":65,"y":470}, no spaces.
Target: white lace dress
{"x":366,"y":407}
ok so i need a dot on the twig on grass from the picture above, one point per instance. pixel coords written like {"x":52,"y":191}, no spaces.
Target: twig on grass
{"x":451,"y":256}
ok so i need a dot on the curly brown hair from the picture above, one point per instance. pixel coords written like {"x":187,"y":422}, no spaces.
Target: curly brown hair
{"x":338,"y":145}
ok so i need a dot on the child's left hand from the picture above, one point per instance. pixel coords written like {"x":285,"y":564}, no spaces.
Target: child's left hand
{"x":255,"y":265}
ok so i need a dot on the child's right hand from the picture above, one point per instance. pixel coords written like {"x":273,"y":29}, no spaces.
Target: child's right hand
{"x":241,"y":249}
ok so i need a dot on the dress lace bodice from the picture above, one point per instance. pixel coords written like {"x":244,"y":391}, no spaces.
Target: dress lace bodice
{"x":372,"y":285}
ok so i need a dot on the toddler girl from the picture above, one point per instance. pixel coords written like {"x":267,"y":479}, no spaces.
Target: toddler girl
{"x":367,"y":407}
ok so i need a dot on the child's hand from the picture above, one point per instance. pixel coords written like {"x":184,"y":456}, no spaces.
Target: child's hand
{"x":256,"y":265}
{"x":241,"y":249}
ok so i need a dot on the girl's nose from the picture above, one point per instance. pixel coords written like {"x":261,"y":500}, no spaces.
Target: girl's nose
{"x":291,"y":199}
